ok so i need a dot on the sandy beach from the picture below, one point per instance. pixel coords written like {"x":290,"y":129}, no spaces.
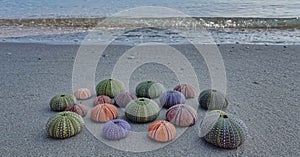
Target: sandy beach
{"x":262,"y":89}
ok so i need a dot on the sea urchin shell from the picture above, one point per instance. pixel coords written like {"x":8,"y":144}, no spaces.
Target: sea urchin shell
{"x":182,"y":115}
{"x":123,"y":99}
{"x":162,"y":131}
{"x":83,"y":93}
{"x":102,"y":99}
{"x":149,"y":89}
{"x":212,"y":100}
{"x":64,"y":125}
{"x":187,"y":90}
{"x":78,"y":108}
{"x":104,"y":112}
{"x":110,"y":87}
{"x":142,"y":110}
{"x":61,"y":102}
{"x":225,"y":131}
{"x":116,"y":129}
{"x":171,"y":98}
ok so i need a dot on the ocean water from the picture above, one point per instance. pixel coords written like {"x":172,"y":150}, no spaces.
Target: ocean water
{"x":104,"y":8}
{"x":227,"y":21}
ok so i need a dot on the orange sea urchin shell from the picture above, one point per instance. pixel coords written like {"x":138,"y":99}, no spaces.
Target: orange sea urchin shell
{"x":104,"y":112}
{"x":162,"y":131}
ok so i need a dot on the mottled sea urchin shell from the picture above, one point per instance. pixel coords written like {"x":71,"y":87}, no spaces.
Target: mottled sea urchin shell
{"x":102,"y":99}
{"x":171,"y":98}
{"x":116,"y":129}
{"x":212,"y":100}
{"x":78,"y":108}
{"x":182,"y":115}
{"x":104,"y":112}
{"x":187,"y":90}
{"x":64,"y":125}
{"x":83,"y":93}
{"x":142,"y":110}
{"x":110,"y":87}
{"x":123,"y":99}
{"x":149,"y":89}
{"x":61,"y":102}
{"x":162,"y":131}
{"x":225,"y":130}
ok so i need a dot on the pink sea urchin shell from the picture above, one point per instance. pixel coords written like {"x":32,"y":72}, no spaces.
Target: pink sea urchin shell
{"x":182,"y":115}
{"x":83,"y":93}
{"x":123,"y":99}
{"x":102,"y":99}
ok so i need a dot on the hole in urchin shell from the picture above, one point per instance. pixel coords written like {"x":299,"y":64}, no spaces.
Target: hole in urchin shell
{"x":214,"y":90}
{"x":149,"y":81}
{"x":141,"y":99}
{"x":62,"y":95}
{"x":224,"y":116}
{"x":110,"y":79}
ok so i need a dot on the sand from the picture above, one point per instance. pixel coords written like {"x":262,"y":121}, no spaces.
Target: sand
{"x":262,"y":89}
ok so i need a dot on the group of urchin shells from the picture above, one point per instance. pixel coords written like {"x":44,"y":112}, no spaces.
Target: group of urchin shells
{"x":218,"y":127}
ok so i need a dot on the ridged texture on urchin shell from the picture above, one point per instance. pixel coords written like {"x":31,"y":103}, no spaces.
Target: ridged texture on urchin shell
{"x":64,"y":125}
{"x":83,"y":93}
{"x":104,"y":112}
{"x":61,"y":102}
{"x":171,"y":98}
{"x":102,"y":99}
{"x":226,"y":131}
{"x":116,"y":129}
{"x":142,"y":110}
{"x":110,"y":87}
{"x":123,"y":99}
{"x":162,"y":131}
{"x":78,"y":108}
{"x":149,"y":89}
{"x":187,"y":90}
{"x":212,"y":100}
{"x":182,"y":115}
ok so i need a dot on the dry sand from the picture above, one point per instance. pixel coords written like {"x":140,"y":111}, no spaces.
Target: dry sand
{"x":262,"y":89}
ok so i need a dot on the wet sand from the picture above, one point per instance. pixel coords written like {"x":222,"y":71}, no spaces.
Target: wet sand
{"x":262,"y":89}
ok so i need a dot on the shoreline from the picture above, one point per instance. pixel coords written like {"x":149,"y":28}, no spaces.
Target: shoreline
{"x":262,"y":89}
{"x":165,"y":22}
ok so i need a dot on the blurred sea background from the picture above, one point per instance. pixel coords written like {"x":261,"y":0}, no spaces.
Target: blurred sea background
{"x":228,"y":21}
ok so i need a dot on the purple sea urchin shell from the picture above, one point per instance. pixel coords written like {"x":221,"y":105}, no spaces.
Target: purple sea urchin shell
{"x":123,"y":99}
{"x":171,"y":98}
{"x":182,"y":115}
{"x":116,"y":129}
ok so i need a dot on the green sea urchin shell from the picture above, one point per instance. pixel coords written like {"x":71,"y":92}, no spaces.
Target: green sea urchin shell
{"x":224,"y":130}
{"x":64,"y":125}
{"x":142,"y":110}
{"x":61,"y":102}
{"x":212,"y":100}
{"x":110,"y":87}
{"x":149,"y":89}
